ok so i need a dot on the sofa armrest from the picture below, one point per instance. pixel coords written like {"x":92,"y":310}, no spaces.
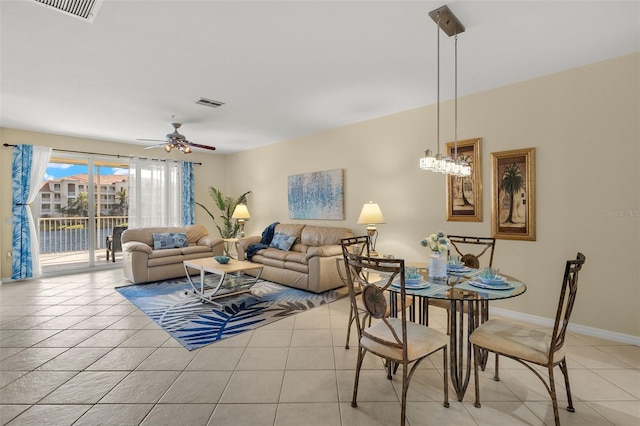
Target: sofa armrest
{"x":324,"y":251}
{"x":244,"y":243}
{"x":132,"y":246}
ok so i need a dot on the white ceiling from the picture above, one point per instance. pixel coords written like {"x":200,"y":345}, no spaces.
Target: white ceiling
{"x":284,"y":69}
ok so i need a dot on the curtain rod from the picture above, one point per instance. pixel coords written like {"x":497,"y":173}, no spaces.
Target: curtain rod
{"x":99,"y":153}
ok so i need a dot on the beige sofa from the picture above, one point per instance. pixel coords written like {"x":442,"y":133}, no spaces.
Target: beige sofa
{"x":144,"y":264}
{"x":310,"y":263}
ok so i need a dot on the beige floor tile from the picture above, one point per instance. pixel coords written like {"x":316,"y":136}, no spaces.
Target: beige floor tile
{"x":146,"y":339}
{"x":261,"y":358}
{"x":525,"y":385}
{"x":9,"y":352}
{"x":620,"y":413}
{"x":312,"y":337}
{"x":85,"y":388}
{"x":168,"y":359}
{"x":371,"y":413}
{"x":627,"y":380}
{"x":593,"y":357}
{"x":314,"y":414}
{"x":179,"y":414}
{"x":282,"y":324}
{"x":246,"y":414}
{"x":29,"y":359}
{"x":27,"y":338}
{"x":434,"y":413}
{"x":588,"y":386}
{"x":75,"y":359}
{"x":253,"y":387}
{"x":25,"y":323}
{"x":270,"y":338}
{"x":373,"y":386}
{"x":122,"y":359}
{"x":629,"y":354}
{"x":120,"y":310}
{"x":7,"y":377}
{"x":107,"y":338}
{"x":197,"y":387}
{"x":131,"y":322}
{"x":9,"y":412}
{"x":62,"y":322}
{"x":66,"y":339}
{"x":425,"y":385}
{"x":33,"y":386}
{"x":141,"y":387}
{"x":347,"y":359}
{"x":59,"y":310}
{"x":497,"y":413}
{"x":313,"y":319}
{"x":309,"y":386}
{"x":51,"y":415}
{"x":114,"y":414}
{"x":98,"y":322}
{"x":216,"y":358}
{"x":583,"y":416}
{"x":311,"y":358}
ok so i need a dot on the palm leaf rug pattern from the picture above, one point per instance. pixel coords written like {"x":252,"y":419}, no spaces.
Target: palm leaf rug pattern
{"x":172,"y":306}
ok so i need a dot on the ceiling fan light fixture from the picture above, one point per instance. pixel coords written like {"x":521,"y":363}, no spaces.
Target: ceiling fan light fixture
{"x":168,"y":147}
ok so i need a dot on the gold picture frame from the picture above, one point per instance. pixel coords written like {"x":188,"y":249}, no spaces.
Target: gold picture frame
{"x":464,"y":194}
{"x":513,"y":201}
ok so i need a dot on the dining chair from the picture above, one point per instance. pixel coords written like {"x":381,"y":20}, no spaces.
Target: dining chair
{"x":356,"y":306}
{"x":471,"y":250}
{"x":114,"y":242}
{"x":396,"y":340}
{"x":530,"y":345}
{"x":363,"y":247}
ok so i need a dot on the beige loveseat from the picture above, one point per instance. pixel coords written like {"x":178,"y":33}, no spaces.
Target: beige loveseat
{"x":142,"y":263}
{"x":309,"y":264}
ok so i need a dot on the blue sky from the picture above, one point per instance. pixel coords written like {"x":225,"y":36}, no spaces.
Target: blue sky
{"x":58,"y":170}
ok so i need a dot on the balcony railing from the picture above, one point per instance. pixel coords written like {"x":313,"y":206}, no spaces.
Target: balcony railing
{"x":71,"y":234}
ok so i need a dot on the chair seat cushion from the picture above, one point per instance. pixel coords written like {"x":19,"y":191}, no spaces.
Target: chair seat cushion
{"x":517,"y":340}
{"x":421,"y":340}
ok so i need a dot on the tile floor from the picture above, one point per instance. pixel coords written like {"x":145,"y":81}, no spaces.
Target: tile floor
{"x":73,"y":351}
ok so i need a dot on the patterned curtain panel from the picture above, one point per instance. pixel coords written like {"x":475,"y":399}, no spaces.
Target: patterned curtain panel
{"x":188,"y":198}
{"x":28,"y":168}
{"x":155,"y":193}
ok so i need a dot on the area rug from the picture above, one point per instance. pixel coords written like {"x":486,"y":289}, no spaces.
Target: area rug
{"x":172,"y":306}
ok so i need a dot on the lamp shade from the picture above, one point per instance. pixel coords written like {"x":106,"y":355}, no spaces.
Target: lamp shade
{"x":241,"y":212}
{"x":371,"y":214}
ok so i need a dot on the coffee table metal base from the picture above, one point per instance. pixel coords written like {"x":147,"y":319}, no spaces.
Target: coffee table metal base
{"x":209,"y":293}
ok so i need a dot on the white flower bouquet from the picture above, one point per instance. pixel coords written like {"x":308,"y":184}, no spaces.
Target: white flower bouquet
{"x":437,"y":242}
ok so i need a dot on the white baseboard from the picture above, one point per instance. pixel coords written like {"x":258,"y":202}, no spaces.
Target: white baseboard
{"x":582,"y":329}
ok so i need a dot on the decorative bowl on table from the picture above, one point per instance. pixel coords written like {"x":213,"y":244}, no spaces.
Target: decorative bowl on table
{"x":223,"y":260}
{"x":412,"y":279}
{"x":454,"y":266}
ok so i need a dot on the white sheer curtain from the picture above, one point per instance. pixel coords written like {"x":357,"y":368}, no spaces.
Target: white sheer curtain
{"x":155,"y":193}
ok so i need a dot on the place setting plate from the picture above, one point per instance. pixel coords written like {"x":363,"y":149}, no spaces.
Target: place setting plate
{"x":411,"y":283}
{"x":491,"y":283}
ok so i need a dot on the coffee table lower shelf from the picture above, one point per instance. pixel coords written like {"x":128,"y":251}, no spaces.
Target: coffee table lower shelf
{"x":209,"y":293}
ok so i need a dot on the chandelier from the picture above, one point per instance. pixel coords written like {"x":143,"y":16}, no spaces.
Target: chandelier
{"x":455,"y":166}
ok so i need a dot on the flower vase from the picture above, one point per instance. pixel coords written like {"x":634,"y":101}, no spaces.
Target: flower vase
{"x":438,"y":266}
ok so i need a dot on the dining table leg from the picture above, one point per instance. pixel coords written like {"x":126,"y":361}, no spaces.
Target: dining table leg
{"x":460,"y":349}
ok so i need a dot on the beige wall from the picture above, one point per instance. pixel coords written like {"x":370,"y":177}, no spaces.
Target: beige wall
{"x":579,"y":121}
{"x":212,"y":172}
{"x":584,"y":126}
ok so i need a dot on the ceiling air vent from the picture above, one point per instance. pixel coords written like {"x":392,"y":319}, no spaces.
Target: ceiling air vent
{"x":83,"y":9}
{"x":209,"y":102}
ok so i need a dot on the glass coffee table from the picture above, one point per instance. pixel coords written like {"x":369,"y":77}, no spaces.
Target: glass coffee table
{"x":231,"y":279}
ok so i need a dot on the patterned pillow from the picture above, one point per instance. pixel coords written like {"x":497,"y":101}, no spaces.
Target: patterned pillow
{"x":169,"y":240}
{"x":282,"y":241}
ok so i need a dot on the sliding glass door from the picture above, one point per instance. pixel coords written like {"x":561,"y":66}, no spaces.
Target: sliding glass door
{"x":81,"y":210}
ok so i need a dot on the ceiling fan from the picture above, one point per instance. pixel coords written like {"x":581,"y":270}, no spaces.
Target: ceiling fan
{"x":175,"y":140}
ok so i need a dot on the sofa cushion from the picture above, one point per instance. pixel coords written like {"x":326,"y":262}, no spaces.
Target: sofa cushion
{"x":282,"y":241}
{"x":323,"y":235}
{"x":168,"y":240}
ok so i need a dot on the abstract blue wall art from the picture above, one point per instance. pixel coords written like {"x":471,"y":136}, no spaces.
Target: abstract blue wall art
{"x":316,"y":195}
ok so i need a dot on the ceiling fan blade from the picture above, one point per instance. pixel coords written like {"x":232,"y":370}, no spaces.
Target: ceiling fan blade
{"x":197,"y":145}
{"x":152,"y":140}
{"x":155,"y":146}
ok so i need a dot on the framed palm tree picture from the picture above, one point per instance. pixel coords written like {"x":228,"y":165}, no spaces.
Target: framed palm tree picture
{"x":464,"y":194}
{"x":513,"y":201}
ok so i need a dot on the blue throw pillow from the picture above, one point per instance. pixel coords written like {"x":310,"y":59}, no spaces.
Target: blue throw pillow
{"x":282,"y":241}
{"x":169,"y":240}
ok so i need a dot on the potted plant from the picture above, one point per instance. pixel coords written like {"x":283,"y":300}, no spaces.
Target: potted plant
{"x":226,"y":206}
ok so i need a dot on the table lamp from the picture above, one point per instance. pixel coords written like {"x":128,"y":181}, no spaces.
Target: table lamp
{"x":371,"y":215}
{"x":241,"y":213}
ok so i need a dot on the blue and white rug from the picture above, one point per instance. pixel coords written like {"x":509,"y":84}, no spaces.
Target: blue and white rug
{"x":194,"y":324}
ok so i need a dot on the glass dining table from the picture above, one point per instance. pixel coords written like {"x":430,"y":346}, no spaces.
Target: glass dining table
{"x":465,"y":295}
